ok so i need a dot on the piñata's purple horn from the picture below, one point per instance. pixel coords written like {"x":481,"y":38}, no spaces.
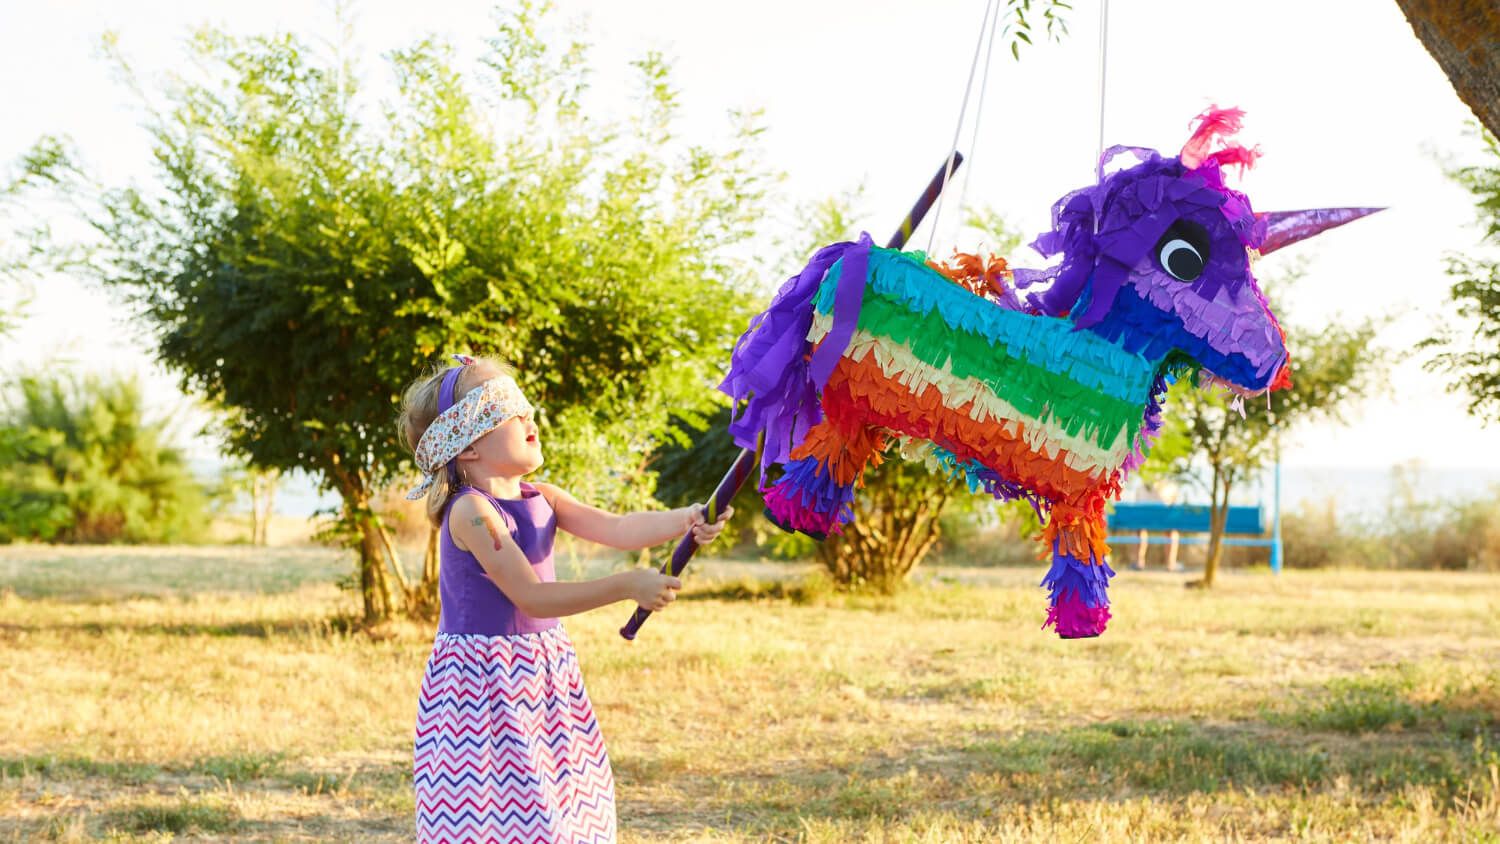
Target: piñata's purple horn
{"x":1284,"y":228}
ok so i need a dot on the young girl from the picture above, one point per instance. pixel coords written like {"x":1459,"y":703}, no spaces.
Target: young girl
{"x":507,"y":748}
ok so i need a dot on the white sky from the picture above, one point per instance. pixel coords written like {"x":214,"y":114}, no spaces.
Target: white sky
{"x":1346,"y":105}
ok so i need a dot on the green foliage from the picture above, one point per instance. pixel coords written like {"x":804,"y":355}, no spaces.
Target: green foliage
{"x":1471,"y":358}
{"x":1332,"y":367}
{"x":1019,"y":17}
{"x":82,"y":463}
{"x":897,"y":521}
{"x":24,"y":246}
{"x":303,"y":263}
{"x":687,"y":475}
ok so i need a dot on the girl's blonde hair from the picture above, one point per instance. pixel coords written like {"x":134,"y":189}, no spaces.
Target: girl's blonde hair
{"x":419,"y":406}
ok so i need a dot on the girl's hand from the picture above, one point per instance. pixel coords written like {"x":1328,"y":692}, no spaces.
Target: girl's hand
{"x":652,"y":590}
{"x":704,"y":531}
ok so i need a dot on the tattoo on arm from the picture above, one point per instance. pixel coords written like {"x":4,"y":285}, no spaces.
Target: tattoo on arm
{"x":488,"y":525}
{"x":495,"y":532}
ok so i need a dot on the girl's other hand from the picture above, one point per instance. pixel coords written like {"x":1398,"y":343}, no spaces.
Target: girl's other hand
{"x":703,"y":530}
{"x":652,"y":590}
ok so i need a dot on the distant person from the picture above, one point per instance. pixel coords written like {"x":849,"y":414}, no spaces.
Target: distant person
{"x":507,"y":747}
{"x":1162,"y":491}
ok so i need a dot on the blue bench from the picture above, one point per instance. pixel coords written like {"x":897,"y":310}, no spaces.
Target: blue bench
{"x":1130,"y":520}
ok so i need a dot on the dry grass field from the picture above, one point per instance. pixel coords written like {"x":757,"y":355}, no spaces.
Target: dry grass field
{"x":153,"y":694}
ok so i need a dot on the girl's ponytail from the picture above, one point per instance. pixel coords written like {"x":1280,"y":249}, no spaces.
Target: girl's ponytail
{"x":419,"y":406}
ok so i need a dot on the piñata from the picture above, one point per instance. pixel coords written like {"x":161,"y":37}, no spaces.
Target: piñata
{"x":1044,"y":385}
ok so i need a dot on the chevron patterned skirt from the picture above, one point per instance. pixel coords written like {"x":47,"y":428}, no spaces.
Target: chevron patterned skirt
{"x":507,"y":747}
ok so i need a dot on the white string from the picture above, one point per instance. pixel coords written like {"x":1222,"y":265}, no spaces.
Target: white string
{"x":957,"y":130}
{"x":1103,"y":66}
{"x":984,"y":81}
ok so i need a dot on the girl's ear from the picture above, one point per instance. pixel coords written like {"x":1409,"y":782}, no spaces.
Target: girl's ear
{"x":467,"y":454}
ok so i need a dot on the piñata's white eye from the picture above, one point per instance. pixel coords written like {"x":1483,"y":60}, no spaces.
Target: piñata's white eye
{"x":1183,"y":251}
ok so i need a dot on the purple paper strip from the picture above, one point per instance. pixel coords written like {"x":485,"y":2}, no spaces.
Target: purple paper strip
{"x":846,"y":302}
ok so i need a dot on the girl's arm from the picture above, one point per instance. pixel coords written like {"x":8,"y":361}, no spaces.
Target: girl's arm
{"x":630,"y":531}
{"x":478,"y":529}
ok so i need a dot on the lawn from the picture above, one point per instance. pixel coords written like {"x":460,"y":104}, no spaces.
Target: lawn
{"x":218,"y":693}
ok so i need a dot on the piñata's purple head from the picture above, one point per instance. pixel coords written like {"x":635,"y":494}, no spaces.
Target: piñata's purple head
{"x":1157,"y":259}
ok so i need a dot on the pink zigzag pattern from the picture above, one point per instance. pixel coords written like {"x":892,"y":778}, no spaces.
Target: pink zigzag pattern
{"x":507,"y":747}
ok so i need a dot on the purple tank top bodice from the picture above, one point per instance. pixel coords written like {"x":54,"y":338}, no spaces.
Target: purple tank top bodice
{"x":471,"y":602}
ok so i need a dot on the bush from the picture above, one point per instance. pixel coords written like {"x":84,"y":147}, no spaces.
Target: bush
{"x":1450,"y":535}
{"x":990,"y":534}
{"x":81,"y":463}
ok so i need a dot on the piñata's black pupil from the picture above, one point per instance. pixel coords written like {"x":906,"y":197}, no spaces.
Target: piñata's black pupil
{"x":1183,"y":250}
{"x":1181,"y":260}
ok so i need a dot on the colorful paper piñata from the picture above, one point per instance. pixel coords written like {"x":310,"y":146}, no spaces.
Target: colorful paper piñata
{"x":1036,"y":384}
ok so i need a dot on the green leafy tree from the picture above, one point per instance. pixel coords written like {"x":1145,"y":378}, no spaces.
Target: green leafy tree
{"x":26,"y":246}
{"x":1333,"y":367}
{"x":302,"y":260}
{"x":1472,"y":358}
{"x":85,"y":464}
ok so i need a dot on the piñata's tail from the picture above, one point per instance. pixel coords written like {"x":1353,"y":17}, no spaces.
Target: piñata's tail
{"x":1078,"y":582}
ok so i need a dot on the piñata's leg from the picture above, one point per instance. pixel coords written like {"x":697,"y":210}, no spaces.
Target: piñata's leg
{"x":815,"y":493}
{"x":1078,"y":581}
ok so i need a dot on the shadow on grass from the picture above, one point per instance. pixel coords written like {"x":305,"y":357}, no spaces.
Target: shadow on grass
{"x":237,"y":768}
{"x":212,"y":814}
{"x":796,"y":592}
{"x":1396,"y":702}
{"x":201,"y":797}
{"x":1165,"y":762}
{"x":1121,"y":762}
{"x":338,"y":625}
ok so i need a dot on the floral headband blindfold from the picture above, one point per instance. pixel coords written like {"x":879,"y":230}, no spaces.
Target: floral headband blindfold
{"x":480,"y":411}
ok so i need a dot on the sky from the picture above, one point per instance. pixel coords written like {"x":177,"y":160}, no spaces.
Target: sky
{"x":1346,"y":105}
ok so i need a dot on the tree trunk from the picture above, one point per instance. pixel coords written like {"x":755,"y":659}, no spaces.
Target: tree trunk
{"x":1463,"y":36}
{"x":427,"y":601}
{"x":390,"y":550}
{"x":1218,"y":518}
{"x":265,"y":521}
{"x":892,"y":532}
{"x":254,"y":507}
{"x":374,"y":586}
{"x":376,"y":591}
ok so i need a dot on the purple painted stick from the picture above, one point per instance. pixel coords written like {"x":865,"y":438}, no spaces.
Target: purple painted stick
{"x":924,"y":204}
{"x":744,"y":464}
{"x":738,"y":473}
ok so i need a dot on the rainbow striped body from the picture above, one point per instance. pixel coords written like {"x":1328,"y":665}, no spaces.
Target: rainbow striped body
{"x":1054,"y":409}
{"x":1016,"y":403}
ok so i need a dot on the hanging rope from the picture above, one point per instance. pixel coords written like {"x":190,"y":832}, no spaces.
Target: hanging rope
{"x":984,"y":81}
{"x":963,"y":109}
{"x":1103,"y":67}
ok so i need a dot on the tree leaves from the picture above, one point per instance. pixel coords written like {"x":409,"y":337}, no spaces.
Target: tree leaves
{"x":82,"y":463}
{"x":301,"y":265}
{"x":1470,"y":355}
